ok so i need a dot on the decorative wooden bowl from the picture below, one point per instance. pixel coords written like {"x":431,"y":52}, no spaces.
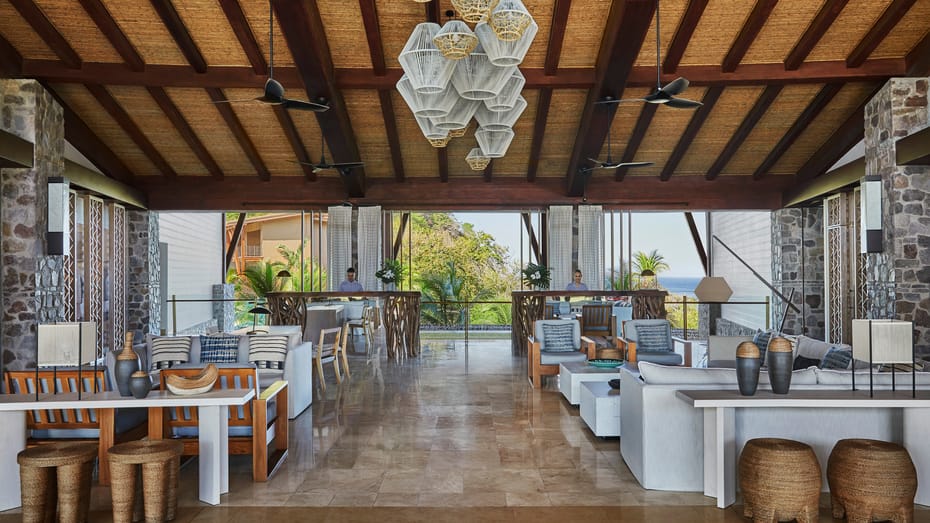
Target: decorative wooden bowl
{"x":197,"y":384}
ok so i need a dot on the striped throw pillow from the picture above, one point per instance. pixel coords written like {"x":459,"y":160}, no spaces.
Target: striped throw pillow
{"x":559,"y":338}
{"x":170,"y":350}
{"x":837,"y":358}
{"x":219,"y":349}
{"x":268,"y":352}
{"x":653,"y":338}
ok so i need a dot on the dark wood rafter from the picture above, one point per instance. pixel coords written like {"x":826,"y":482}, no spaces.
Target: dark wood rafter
{"x":556,"y":35}
{"x":111,"y":30}
{"x":46,"y":30}
{"x":182,"y":37}
{"x":636,"y":138}
{"x":698,"y":245}
{"x":488,"y":173}
{"x":885,"y":23}
{"x":804,"y":120}
{"x":815,"y":31}
{"x":534,"y":243}
{"x":399,"y":238}
{"x":238,"y":131}
{"x":376,"y":50}
{"x":747,"y":35}
{"x":694,"y":127}
{"x":917,"y":61}
{"x":742,"y":132}
{"x":373,"y":33}
{"x":11,"y":62}
{"x":185,"y":130}
{"x":306,"y":37}
{"x":116,"y":111}
{"x":539,"y":131}
{"x":243,"y":31}
{"x":442,"y":155}
{"x":683,"y":33}
{"x":234,"y":242}
{"x":626,"y":28}
{"x":393,"y":137}
{"x":297,"y":144}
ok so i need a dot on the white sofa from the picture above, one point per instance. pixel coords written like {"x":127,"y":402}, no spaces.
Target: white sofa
{"x":661,"y":436}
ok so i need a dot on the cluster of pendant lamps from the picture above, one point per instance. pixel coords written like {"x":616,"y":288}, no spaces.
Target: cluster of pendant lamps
{"x":453,"y":73}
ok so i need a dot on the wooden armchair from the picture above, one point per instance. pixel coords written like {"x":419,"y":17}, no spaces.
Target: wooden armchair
{"x":254,"y":429}
{"x":659,"y":348}
{"x":542,"y":360}
{"x":327,"y":351}
{"x":595,"y":320}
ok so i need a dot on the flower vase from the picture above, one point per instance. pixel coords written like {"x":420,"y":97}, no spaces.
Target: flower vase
{"x":390,"y":287}
{"x":140,"y":384}
{"x":127,"y":362}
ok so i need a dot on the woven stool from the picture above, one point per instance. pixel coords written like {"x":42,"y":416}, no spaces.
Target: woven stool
{"x":780,"y":480}
{"x":56,"y":474}
{"x":871,"y":481}
{"x":160,"y":461}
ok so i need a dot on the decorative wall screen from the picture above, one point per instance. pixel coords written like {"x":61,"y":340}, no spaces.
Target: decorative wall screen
{"x":844,"y":267}
{"x":117,"y":270}
{"x":68,"y":265}
{"x":93,"y":267}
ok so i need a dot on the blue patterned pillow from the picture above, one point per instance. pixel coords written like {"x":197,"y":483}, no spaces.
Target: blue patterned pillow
{"x":762,"y":339}
{"x":653,"y":338}
{"x":559,"y":338}
{"x":219,"y":349}
{"x":836,"y":358}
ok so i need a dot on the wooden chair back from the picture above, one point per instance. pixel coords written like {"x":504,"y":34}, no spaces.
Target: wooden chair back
{"x":229,"y":378}
{"x":58,"y":382}
{"x":595,"y":320}
{"x":549,"y":313}
{"x":329,"y":344}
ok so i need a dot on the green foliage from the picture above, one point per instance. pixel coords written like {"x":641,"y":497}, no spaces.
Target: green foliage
{"x":259,"y":279}
{"x":675,"y":313}
{"x":653,"y":261}
{"x":314,"y":275}
{"x":536,"y":276}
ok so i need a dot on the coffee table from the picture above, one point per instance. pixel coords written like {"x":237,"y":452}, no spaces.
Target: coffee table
{"x":571,"y":375}
{"x":600,"y":408}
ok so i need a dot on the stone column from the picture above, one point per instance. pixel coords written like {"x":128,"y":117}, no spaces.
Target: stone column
{"x":32,"y":281}
{"x":143,"y":302}
{"x":224,"y":312}
{"x":798,"y":264}
{"x":899,"y":277}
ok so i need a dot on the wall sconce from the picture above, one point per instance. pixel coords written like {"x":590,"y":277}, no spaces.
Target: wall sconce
{"x":57,"y":237}
{"x":870,"y":223}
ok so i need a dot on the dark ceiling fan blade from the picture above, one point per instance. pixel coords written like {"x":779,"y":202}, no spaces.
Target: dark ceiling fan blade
{"x":304,"y":106}
{"x":612,"y":101}
{"x":635,"y":164}
{"x":683,"y":103}
{"x":236,"y":100}
{"x":346,"y":165}
{"x":676,"y":86}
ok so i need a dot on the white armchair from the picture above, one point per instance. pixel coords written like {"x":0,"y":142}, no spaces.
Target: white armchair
{"x":652,"y":340}
{"x":543,"y":358}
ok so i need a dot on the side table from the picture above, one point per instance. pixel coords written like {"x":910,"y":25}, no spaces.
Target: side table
{"x":572,"y":374}
{"x":600,"y":408}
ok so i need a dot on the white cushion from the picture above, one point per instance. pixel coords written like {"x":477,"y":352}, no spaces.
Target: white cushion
{"x":844,"y":377}
{"x":664,"y":375}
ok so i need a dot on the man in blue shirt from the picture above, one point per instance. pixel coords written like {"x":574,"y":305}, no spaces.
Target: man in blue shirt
{"x":576,"y":285}
{"x":349,"y":284}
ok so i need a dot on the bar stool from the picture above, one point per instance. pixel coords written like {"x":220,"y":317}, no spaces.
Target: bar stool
{"x":160,"y":461}
{"x":780,"y":480}
{"x":871,"y":480}
{"x":56,"y":474}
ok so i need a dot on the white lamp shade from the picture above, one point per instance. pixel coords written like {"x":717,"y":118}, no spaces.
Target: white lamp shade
{"x":455,"y":40}
{"x":69,"y":344}
{"x":429,"y":130}
{"x":501,"y":52}
{"x":428,"y":70}
{"x":891,"y":341}
{"x":494,"y":144}
{"x":508,"y":95}
{"x":500,"y":120}
{"x":428,"y":104}
{"x":477,"y":160}
{"x":476,"y":78}
{"x":713,"y":289}
{"x":461,"y":113}
{"x":510,"y":19}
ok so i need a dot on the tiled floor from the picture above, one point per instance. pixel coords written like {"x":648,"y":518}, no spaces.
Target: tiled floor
{"x":454,"y":435}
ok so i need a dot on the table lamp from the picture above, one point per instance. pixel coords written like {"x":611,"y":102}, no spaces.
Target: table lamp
{"x":883,"y":341}
{"x":255,"y":311}
{"x":66,"y":344}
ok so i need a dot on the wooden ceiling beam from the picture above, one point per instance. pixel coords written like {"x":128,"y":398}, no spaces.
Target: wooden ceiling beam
{"x":303,"y":30}
{"x":488,"y":173}
{"x":243,"y":31}
{"x":122,"y":118}
{"x":683,"y":33}
{"x":815,"y":31}
{"x":185,"y":130}
{"x":238,"y":131}
{"x":376,"y":50}
{"x":694,"y":127}
{"x":556,"y":36}
{"x":182,"y":37}
{"x":443,"y":155}
{"x":539,"y":131}
{"x":885,"y":23}
{"x":47,"y":31}
{"x":297,"y":144}
{"x":393,"y":137}
{"x":369,"y":11}
{"x":111,"y":30}
{"x":917,"y":61}
{"x":626,"y":28}
{"x":11,"y":62}
{"x":802,"y":122}
{"x":748,"y":34}
{"x":742,"y":132}
{"x":636,"y":139}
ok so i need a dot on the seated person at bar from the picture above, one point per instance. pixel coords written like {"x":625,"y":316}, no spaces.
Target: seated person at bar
{"x":576,"y":285}
{"x":349,"y":284}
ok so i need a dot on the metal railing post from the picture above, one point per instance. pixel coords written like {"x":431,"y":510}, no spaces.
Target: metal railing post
{"x":174,"y":314}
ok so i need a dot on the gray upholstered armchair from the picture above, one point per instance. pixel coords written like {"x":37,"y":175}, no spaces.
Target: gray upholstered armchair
{"x":652,"y":340}
{"x":554,"y":342}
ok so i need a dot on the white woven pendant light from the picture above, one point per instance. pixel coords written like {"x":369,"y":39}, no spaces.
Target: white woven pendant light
{"x":474,"y":11}
{"x":457,"y":133}
{"x":426,"y":105}
{"x":476,"y":78}
{"x":494,"y":144}
{"x":477,"y":160}
{"x":439,"y":143}
{"x":459,"y":116}
{"x":500,"y":120}
{"x":509,"y":19}
{"x":429,"y":130}
{"x":503,"y":53}
{"x":455,"y":40}
{"x":508,"y":95}
{"x":428,"y":70}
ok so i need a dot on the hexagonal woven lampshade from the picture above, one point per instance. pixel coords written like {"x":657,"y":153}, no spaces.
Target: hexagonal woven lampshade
{"x":429,"y":130}
{"x":476,"y":78}
{"x":459,"y":116}
{"x":426,"y":105}
{"x":474,"y":11}
{"x":501,"y":52}
{"x":428,"y":70}
{"x":713,"y":288}
{"x":477,"y":160}
{"x":457,"y":133}
{"x":508,"y":95}
{"x":494,"y":144}
{"x":500,"y":120}
{"x":439,"y":143}
{"x":509,"y":19}
{"x":455,"y":40}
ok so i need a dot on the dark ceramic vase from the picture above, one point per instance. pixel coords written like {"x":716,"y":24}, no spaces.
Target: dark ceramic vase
{"x":140,"y":384}
{"x":780,"y":367}
{"x":127,"y":362}
{"x":747,"y":375}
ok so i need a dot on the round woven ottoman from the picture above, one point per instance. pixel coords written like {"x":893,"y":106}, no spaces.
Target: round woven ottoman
{"x":160,"y":461}
{"x":56,"y":474}
{"x":780,"y":480}
{"x":871,"y":481}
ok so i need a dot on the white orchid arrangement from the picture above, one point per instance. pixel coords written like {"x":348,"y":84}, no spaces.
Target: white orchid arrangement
{"x":536,"y":276}
{"x":392,"y":271}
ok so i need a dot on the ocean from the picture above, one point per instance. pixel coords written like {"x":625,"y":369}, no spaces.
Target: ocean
{"x":681,"y":285}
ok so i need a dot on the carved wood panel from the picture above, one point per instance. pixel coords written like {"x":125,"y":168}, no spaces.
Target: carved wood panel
{"x":93,"y":267}
{"x":69,"y":262}
{"x":117,"y":242}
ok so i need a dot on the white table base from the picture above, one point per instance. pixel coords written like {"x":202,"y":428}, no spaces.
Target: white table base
{"x":600,"y":408}
{"x":572,"y":374}
{"x":12,"y":437}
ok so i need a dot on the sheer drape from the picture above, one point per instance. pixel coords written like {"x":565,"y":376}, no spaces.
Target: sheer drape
{"x":560,"y":246}
{"x":339,"y":241}
{"x":591,"y":245}
{"x":369,"y":247}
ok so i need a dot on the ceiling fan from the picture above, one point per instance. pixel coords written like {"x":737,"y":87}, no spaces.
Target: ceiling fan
{"x":274,"y":91}
{"x":663,"y":94}
{"x":609,"y":163}
{"x":323,"y":165}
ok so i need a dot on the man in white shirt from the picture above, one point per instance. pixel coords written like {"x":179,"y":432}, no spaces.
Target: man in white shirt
{"x":349,"y":284}
{"x":576,"y":285}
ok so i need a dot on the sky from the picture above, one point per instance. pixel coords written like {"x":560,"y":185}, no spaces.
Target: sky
{"x":668,"y":232}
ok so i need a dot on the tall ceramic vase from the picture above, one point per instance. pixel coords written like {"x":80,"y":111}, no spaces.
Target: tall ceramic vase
{"x":748,"y":364}
{"x":780,"y":363}
{"x":127,"y":362}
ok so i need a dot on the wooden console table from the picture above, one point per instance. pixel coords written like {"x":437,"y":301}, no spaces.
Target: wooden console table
{"x":720,"y":428}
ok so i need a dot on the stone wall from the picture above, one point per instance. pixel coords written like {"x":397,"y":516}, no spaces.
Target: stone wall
{"x":798,"y":264}
{"x":143,"y":301}
{"x":224,"y":312}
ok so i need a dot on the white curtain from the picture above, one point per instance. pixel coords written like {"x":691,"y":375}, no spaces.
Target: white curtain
{"x":591,"y":245}
{"x":369,"y":247}
{"x":560,"y":246}
{"x":339,"y":240}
